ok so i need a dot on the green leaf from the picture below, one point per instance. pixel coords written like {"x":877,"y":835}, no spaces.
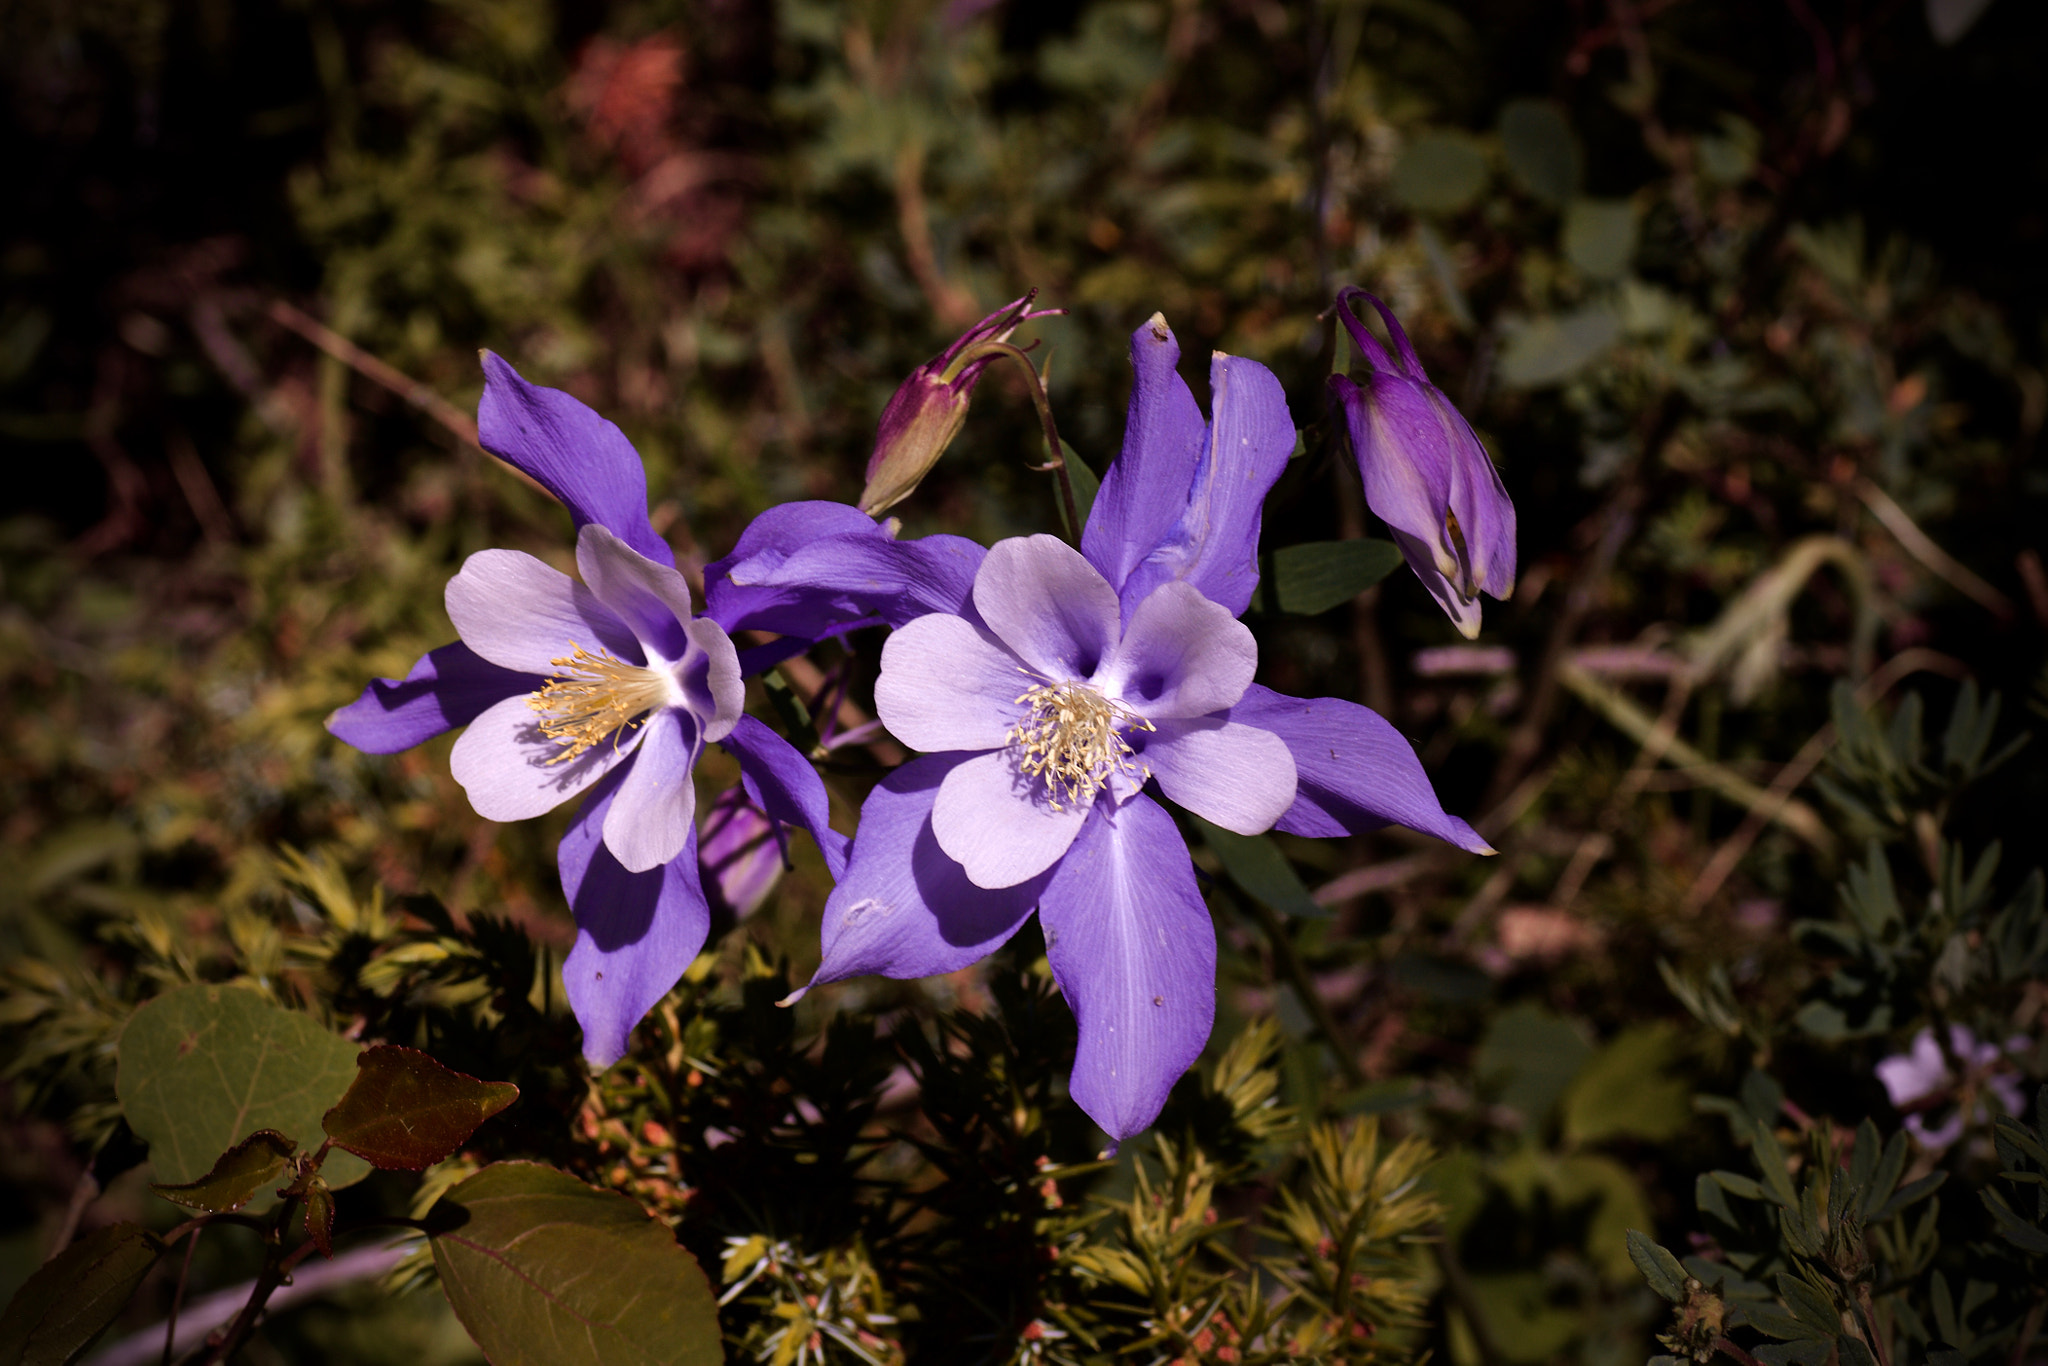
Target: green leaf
{"x":1256,"y":864}
{"x":1910,"y":1194}
{"x":1658,"y":1266}
{"x":1626,"y":1090}
{"x":1809,"y":1306}
{"x":1600,"y":236}
{"x":200,"y":1067}
{"x":1085,"y":485}
{"x":1769,"y":1156}
{"x":1618,"y":1206}
{"x":1532,"y":1056}
{"x":405,"y":1112}
{"x":2016,"y":1140}
{"x":1769,"y":1318}
{"x":1439,"y":172}
{"x":63,"y":1308}
{"x":544,"y":1271}
{"x":1551,"y":349}
{"x":1891,"y":1165}
{"x":1737,"y":1184}
{"x":242,"y":1170}
{"x":1541,"y":150}
{"x":2015,"y":1230}
{"x":1309,"y":579}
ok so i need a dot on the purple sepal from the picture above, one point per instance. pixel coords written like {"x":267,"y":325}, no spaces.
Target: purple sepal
{"x":812,"y":569}
{"x":1353,"y":771}
{"x":1134,"y":951}
{"x":579,"y":457}
{"x":782,"y":783}
{"x":904,"y":908}
{"x":1214,"y":543}
{"x":448,"y":687}
{"x":1423,"y":466}
{"x":635,"y":932}
{"x":1143,"y":494}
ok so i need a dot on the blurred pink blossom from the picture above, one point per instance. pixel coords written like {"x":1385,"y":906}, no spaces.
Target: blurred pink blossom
{"x":1920,"y":1078}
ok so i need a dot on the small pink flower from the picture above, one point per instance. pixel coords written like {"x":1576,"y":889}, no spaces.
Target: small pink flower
{"x":1919,"y":1079}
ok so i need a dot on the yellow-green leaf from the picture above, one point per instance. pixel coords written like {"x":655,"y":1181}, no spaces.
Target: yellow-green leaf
{"x":544,"y":1271}
{"x":61,"y":1310}
{"x":200,"y":1067}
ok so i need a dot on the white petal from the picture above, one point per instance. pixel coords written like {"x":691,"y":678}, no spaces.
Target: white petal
{"x":946,"y":685}
{"x":1237,"y":776}
{"x":502,"y":763}
{"x":997,"y":823}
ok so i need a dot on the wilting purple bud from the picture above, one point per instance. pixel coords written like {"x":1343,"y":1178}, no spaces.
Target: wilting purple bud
{"x":740,"y":853}
{"x":925,"y":414}
{"x":1426,"y":475}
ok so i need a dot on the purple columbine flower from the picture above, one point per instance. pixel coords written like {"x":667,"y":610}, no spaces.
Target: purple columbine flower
{"x":1426,"y":475}
{"x":926,"y":411}
{"x":609,"y":688}
{"x":1920,"y":1078}
{"x":1061,"y":693}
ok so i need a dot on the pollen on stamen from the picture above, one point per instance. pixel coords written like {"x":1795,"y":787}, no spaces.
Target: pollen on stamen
{"x":594,"y":696}
{"x":1072,"y":737}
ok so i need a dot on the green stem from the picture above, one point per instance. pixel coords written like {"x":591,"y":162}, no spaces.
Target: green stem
{"x":178,"y":1295}
{"x":1291,"y":967}
{"x":1459,"y":1289}
{"x":1056,"y":457}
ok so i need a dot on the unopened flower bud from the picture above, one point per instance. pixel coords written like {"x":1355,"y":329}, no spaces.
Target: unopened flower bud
{"x":1426,"y":474}
{"x":740,"y":854}
{"x":926,"y":412}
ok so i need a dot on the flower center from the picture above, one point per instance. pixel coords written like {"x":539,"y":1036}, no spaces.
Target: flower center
{"x":595,"y":696}
{"x":1072,"y":737}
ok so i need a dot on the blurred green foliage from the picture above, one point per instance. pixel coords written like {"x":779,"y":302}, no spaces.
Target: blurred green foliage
{"x":1747,"y":303}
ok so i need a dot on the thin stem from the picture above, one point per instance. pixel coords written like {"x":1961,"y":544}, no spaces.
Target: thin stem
{"x":1291,"y":967}
{"x":275,"y":1269}
{"x":2029,"y":1328}
{"x":1056,"y":457}
{"x":193,"y":1225}
{"x":83,"y":1194}
{"x":1458,"y":1286}
{"x":178,"y":1295}
{"x":1722,"y":1344}
{"x":1867,"y":1311}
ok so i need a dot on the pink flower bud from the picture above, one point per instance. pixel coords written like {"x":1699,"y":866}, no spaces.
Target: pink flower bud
{"x":925,"y":413}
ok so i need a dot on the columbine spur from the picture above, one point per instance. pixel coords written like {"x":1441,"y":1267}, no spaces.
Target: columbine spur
{"x":1063,"y":689}
{"x":1426,"y":475}
{"x":608,"y":688}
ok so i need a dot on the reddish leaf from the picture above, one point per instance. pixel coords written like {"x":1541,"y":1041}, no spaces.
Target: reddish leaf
{"x":406,"y":1112}
{"x":237,"y":1174}
{"x":320,"y":1217}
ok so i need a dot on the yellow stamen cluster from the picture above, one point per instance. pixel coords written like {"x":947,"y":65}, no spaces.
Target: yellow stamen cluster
{"x":1072,"y":737}
{"x":594,"y":696}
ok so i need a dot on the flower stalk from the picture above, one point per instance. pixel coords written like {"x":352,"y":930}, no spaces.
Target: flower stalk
{"x":1056,"y":454}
